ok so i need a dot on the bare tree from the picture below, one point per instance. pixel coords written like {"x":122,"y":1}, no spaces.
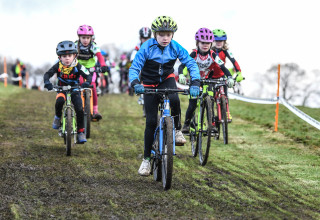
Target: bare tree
{"x":311,"y":91}
{"x":290,"y":77}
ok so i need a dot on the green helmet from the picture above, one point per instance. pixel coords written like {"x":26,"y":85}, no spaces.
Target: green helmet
{"x":219,"y":34}
{"x":164,"y":23}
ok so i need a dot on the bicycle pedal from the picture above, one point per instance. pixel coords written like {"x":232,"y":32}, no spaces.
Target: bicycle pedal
{"x":179,"y":144}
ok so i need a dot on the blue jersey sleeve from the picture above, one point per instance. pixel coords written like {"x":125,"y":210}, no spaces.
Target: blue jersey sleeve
{"x":189,"y":62}
{"x":138,"y":63}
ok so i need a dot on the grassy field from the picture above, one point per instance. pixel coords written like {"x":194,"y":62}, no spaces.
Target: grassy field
{"x":260,"y":174}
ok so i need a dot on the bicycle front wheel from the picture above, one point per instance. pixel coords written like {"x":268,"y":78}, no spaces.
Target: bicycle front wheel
{"x":167,"y":153}
{"x":193,"y":134}
{"x":205,"y":132}
{"x":156,"y":162}
{"x":87,"y":114}
{"x":224,"y":119}
{"x":68,"y":132}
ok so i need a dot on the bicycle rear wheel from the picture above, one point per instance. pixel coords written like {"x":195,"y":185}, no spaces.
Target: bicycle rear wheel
{"x":193,"y":134}
{"x":205,"y":132}
{"x":224,"y":119}
{"x":87,"y":114}
{"x":68,"y":132}
{"x":167,"y":153}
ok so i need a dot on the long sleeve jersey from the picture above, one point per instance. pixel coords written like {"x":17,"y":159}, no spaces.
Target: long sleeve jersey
{"x":208,"y":63}
{"x":156,"y":63}
{"x":87,"y":55}
{"x":67,"y":76}
{"x":223,"y":54}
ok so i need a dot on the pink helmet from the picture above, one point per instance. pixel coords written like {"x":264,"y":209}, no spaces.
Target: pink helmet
{"x":204,"y":35}
{"x":123,"y":56}
{"x":85,"y":30}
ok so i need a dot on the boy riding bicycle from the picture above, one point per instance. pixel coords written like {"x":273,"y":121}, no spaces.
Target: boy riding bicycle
{"x":68,"y":71}
{"x":155,"y":60}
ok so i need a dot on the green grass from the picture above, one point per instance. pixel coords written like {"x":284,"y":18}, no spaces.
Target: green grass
{"x":289,"y":124}
{"x":260,"y":174}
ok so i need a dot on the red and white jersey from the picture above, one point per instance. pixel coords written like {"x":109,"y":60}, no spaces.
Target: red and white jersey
{"x":206,"y":63}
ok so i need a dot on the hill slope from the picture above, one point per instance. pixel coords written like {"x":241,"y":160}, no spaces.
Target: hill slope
{"x":260,"y":174}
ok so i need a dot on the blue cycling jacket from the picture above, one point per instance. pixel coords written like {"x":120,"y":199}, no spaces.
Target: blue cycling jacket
{"x":156,"y":63}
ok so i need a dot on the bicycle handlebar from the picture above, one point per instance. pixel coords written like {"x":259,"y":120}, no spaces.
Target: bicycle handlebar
{"x":166,"y":91}
{"x":66,"y":88}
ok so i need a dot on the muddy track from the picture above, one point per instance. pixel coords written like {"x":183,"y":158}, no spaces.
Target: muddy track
{"x":100,"y":181}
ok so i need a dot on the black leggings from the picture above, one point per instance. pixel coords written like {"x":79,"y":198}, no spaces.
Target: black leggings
{"x":77,"y":103}
{"x":151,"y":102}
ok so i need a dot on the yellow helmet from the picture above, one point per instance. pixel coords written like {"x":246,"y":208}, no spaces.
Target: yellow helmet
{"x":164,"y":23}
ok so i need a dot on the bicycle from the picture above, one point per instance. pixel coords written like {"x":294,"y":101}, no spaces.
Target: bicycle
{"x":69,"y":122}
{"x":222,"y":108}
{"x":163,"y":147}
{"x":201,"y":125}
{"x":87,"y":101}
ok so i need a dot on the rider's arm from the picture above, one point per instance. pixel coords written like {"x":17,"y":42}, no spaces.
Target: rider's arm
{"x":233,"y":60}
{"x":137,"y":65}
{"x":97,"y":52}
{"x":84,"y":72}
{"x":189,"y":62}
{"x":133,"y":54}
{"x":51,"y":72}
{"x":182,"y":66}
{"x":220,"y":63}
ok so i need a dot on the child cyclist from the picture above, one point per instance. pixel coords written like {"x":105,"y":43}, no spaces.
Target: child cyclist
{"x":222,"y":50}
{"x":88,"y":52}
{"x":145,"y":34}
{"x":68,"y":72}
{"x":155,"y":60}
{"x":207,"y":61}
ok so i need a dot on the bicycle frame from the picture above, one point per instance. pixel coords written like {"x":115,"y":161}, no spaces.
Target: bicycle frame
{"x":70,"y":106}
{"x":219,"y":92}
{"x":165,"y":112}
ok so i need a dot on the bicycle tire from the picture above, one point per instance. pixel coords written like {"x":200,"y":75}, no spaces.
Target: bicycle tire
{"x":224,"y":119}
{"x":193,"y":134}
{"x":167,"y":154}
{"x":206,"y":129}
{"x":68,"y":132}
{"x":87,"y":121}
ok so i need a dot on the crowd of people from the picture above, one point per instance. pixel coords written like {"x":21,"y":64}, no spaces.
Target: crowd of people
{"x":150,"y":65}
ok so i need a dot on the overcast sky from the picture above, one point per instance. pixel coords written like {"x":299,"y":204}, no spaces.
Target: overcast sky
{"x":260,"y":33}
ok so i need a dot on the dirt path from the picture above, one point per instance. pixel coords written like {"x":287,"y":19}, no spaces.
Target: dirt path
{"x":258,"y":175}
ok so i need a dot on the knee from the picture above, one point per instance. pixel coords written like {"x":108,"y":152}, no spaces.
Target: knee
{"x":59,"y":102}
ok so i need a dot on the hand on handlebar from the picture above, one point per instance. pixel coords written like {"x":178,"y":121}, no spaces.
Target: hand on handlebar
{"x":230,"y":82}
{"x":194,"y":91}
{"x":138,"y":88}
{"x":239,"y":77}
{"x":48,"y":85}
{"x":182,"y":79}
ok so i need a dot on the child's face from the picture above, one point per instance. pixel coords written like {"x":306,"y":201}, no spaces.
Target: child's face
{"x":85,"y":40}
{"x":67,"y":59}
{"x":204,"y":46}
{"x":142,"y":39}
{"x":164,"y":38}
{"x":219,"y":44}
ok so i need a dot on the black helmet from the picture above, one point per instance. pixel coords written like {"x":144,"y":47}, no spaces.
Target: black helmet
{"x":66,"y":47}
{"x":145,"y":32}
